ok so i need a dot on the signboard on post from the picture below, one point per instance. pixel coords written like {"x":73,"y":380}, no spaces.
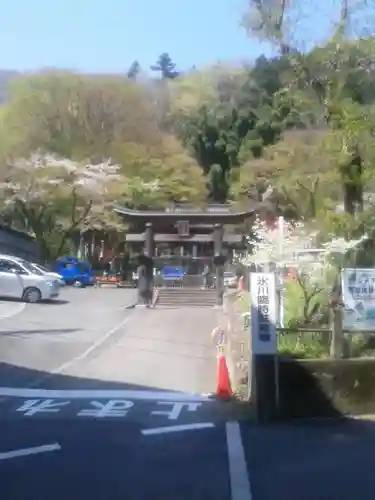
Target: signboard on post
{"x":173,"y":273}
{"x":358,"y":295}
{"x":263,"y":313}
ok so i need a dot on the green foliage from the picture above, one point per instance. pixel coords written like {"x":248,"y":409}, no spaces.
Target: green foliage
{"x":305,"y":303}
{"x":303,"y":345}
{"x":299,"y":125}
{"x":165,"y":66}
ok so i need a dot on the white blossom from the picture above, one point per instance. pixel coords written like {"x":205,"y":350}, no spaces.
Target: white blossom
{"x":28,"y":175}
{"x":279,"y":244}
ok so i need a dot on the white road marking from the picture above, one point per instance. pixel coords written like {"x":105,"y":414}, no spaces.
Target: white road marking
{"x":9,"y":309}
{"x":239,"y":478}
{"x":177,"y":407}
{"x":177,"y":428}
{"x":29,"y":451}
{"x":87,"y":352}
{"x":29,"y":393}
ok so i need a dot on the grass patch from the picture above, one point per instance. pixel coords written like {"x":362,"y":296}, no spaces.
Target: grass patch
{"x":296,"y":344}
{"x":242,"y":302}
{"x":303,"y":345}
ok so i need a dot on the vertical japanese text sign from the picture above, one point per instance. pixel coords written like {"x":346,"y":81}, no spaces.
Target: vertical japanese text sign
{"x":263,"y":313}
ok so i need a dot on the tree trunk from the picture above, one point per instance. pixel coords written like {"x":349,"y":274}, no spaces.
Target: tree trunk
{"x":352,"y":180}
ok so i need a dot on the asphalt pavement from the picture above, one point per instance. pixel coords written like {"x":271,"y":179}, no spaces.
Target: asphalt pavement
{"x":110,"y":460}
{"x":316,"y":460}
{"x":98,"y":401}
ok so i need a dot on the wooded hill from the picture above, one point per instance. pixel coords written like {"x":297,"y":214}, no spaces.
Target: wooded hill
{"x":300,"y":124}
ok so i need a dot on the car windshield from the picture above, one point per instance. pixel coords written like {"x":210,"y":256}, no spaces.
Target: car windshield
{"x":40,"y":268}
{"x":83,"y":267}
{"x":228,"y":275}
{"x":29,"y":267}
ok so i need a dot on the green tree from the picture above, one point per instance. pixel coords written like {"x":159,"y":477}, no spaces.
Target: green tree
{"x":134,"y":70}
{"x":77,"y":116}
{"x":230,"y":115}
{"x":329,"y":84}
{"x":158,"y":175}
{"x":165,"y":66}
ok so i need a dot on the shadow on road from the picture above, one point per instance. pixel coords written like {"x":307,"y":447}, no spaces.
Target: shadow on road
{"x":21,"y":377}
{"x":53,"y":331}
{"x":10,"y":299}
{"x":326,"y":459}
{"x":43,"y":302}
{"x":54,"y":302}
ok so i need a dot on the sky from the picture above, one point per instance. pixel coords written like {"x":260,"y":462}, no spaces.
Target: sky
{"x":107,"y":35}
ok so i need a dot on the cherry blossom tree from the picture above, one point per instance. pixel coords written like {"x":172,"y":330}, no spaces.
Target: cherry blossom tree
{"x":278,"y":243}
{"x":316,"y":270}
{"x":53,"y":197}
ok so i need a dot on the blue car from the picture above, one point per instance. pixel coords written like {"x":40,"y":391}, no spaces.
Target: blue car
{"x":74,"y":271}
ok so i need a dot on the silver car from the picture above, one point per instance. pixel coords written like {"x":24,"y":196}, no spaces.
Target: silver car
{"x":49,"y":273}
{"x":20,"y":280}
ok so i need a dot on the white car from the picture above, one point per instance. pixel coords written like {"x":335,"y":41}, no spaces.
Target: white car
{"x":49,"y":273}
{"x":19,"y":279}
{"x":230,"y":280}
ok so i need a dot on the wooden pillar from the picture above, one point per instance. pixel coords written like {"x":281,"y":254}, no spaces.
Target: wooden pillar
{"x":149,"y":241}
{"x":146,"y":268}
{"x":219,"y":263}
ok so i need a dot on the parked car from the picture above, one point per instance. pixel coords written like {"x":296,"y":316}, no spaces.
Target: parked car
{"x":74,"y":271}
{"x":19,"y":279}
{"x":230,"y":279}
{"x":47,"y":272}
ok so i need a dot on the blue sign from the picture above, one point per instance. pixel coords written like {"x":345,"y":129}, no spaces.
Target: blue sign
{"x":358,"y":293}
{"x":173,"y":273}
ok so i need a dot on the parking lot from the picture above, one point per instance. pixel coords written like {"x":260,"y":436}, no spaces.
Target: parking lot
{"x":49,"y":337}
{"x":84,"y":382}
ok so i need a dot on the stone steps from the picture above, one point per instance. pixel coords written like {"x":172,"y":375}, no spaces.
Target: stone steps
{"x":186,"y":297}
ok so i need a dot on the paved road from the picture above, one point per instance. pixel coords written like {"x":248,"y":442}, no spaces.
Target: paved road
{"x":91,"y":407}
{"x":47,"y":338}
{"x":316,"y":461}
{"x":105,"y":461}
{"x":100,"y":402}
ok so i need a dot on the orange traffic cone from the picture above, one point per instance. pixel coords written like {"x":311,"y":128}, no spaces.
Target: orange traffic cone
{"x":241,"y":284}
{"x":224,"y":389}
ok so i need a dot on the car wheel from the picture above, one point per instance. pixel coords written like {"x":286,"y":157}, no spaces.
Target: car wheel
{"x":32,"y":295}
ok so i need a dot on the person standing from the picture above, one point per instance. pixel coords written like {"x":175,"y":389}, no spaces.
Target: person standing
{"x":206,"y":276}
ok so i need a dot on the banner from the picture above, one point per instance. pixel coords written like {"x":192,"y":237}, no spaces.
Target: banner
{"x":263,"y":313}
{"x":358,"y":294}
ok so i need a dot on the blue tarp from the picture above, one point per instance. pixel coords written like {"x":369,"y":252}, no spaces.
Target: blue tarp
{"x":172,"y":273}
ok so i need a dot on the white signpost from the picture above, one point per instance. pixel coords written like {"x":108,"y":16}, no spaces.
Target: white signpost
{"x":263,"y":313}
{"x":263,"y":367}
